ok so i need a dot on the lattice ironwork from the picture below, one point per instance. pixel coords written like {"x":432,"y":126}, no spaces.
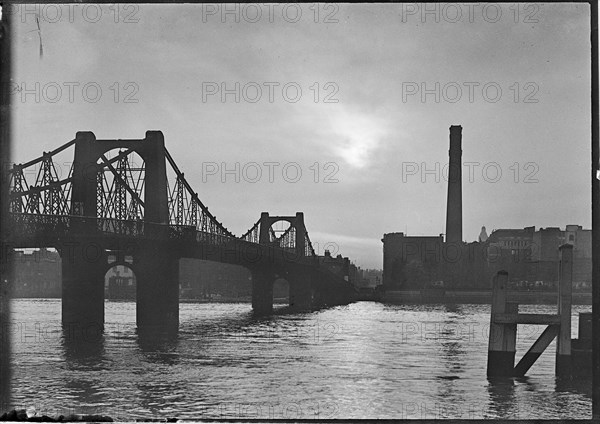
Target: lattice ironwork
{"x":37,"y":187}
{"x":120,"y":192}
{"x":287,"y":240}
{"x":18,"y":185}
{"x":186,"y":209}
{"x":40,"y":202}
{"x":308,"y":247}
{"x":253,"y":234}
{"x":182,"y":210}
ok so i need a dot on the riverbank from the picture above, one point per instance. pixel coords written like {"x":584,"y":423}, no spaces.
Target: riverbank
{"x":241,"y":299}
{"x":478,"y":297}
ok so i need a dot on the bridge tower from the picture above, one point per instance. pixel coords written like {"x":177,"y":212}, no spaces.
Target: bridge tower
{"x":301,"y":291}
{"x":156,"y":266}
{"x":300,"y":282}
{"x":263,"y":278}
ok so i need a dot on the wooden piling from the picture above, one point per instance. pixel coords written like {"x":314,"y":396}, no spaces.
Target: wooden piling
{"x":584,"y":331}
{"x":581,"y":348}
{"x":565,"y":284}
{"x":503,"y":337}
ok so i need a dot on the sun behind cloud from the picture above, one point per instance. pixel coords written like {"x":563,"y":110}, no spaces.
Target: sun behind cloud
{"x":356,"y":135}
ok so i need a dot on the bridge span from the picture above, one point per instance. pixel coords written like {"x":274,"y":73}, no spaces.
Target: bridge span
{"x":136,"y":208}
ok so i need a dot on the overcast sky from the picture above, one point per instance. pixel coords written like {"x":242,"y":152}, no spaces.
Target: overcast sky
{"x":516,"y":77}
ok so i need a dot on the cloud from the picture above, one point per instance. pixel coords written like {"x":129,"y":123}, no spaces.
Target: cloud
{"x":355,"y":135}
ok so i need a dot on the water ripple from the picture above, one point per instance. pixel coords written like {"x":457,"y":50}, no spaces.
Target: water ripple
{"x":364,"y":360}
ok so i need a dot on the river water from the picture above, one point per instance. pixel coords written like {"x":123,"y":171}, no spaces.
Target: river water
{"x":364,"y":360}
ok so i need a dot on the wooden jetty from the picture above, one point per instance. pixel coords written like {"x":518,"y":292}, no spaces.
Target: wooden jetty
{"x":503,"y":329}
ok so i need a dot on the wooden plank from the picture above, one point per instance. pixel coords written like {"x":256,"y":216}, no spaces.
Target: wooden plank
{"x":536,"y":350}
{"x":539,"y":319}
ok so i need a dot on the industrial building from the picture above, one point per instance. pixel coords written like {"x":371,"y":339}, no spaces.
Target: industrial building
{"x":529,"y":256}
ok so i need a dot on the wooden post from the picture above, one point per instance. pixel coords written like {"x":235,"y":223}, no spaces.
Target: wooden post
{"x":585,"y":326}
{"x":503,"y":337}
{"x":563,"y":342}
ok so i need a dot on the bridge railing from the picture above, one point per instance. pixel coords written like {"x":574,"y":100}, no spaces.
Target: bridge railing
{"x":121,"y":227}
{"x":37,"y":224}
{"x":32,"y":225}
{"x":27,"y":226}
{"x":190,"y":233}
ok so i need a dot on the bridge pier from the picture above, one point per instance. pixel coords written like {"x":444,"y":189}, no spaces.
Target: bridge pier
{"x":83,"y":287}
{"x":323,"y":297}
{"x":320,"y":299}
{"x":262,"y":292}
{"x":326,"y":296}
{"x":157,"y":274}
{"x":301,"y":293}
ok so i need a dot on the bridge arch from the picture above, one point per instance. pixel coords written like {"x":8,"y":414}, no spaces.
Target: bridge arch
{"x":296,"y":223}
{"x":281,"y":289}
{"x":93,"y":149}
{"x":283,"y":225}
{"x":120,"y":282}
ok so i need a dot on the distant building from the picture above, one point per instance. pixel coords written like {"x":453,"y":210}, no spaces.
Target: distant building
{"x":582,"y":254}
{"x":410,"y":261}
{"x":546,"y":242}
{"x":580,"y":239}
{"x":514,"y":244}
{"x":551,"y":238}
{"x":338,"y":265}
{"x":514,"y":241}
{"x":529,"y":256}
{"x":120,"y":284}
{"x":206,"y":279}
{"x":534,"y":255}
{"x":37,"y":274}
{"x":511,"y":250}
{"x":371,"y":278}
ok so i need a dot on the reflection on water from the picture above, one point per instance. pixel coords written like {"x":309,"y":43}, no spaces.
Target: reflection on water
{"x":159,"y":344}
{"x":82,"y":351}
{"x":576,"y":385}
{"x":364,"y":360}
{"x":501,"y":398}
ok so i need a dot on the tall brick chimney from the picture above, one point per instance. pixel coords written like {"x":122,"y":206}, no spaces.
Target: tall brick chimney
{"x":454,"y":206}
